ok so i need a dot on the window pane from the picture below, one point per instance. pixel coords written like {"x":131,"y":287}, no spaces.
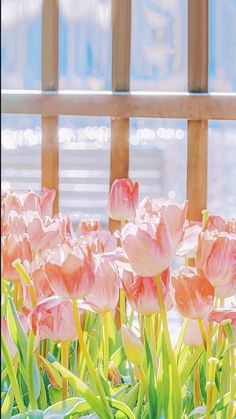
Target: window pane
{"x":222,"y":74}
{"x":159,"y":45}
{"x":21,"y":44}
{"x":21,"y":152}
{"x":85,"y":44}
{"x":158,"y":156}
{"x":222,"y":168}
{"x":84,"y":167}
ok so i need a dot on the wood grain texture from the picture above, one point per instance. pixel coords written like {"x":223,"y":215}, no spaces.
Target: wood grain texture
{"x":50,"y":82}
{"x":197,"y":130}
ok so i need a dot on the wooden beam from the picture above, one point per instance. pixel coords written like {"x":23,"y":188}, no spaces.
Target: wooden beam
{"x":121,"y":36}
{"x":197,"y":130}
{"x":50,"y":83}
{"x":122,"y":105}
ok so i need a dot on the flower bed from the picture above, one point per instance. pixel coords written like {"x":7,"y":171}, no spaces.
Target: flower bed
{"x":84,"y":314}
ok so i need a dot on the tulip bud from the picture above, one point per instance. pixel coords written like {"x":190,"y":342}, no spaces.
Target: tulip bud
{"x":113,"y":374}
{"x":123,"y":199}
{"x":133,"y":345}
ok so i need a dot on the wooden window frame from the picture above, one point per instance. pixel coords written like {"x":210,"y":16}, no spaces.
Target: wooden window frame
{"x":197,"y":105}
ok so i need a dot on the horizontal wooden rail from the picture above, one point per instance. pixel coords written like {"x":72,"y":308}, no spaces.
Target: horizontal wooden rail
{"x":193,"y":106}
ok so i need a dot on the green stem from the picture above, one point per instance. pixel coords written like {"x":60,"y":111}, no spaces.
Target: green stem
{"x":203,"y":332}
{"x":64,"y":362}
{"x":91,"y":368}
{"x":122,"y":307}
{"x":12,"y":376}
{"x":143,"y":379}
{"x":105,"y":343}
{"x":181,"y":338}
{"x":138,"y":410}
{"x":30,"y":373}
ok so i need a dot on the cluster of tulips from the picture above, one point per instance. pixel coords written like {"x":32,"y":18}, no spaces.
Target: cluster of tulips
{"x":85,"y":314}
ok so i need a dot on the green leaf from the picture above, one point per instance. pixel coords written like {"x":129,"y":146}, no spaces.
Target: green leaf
{"x":221,"y":404}
{"x":189,"y":365}
{"x":67,"y":407}
{"x":198,"y":410}
{"x":131,"y":397}
{"x":53,"y":375}
{"x":119,"y":356}
{"x":152,"y":385}
{"x":20,"y":339}
{"x":55,"y":394}
{"x":118,"y":405}
{"x":6,"y":408}
{"x":94,"y":402}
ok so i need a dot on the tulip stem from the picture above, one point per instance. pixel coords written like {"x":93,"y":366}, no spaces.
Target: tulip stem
{"x":15,"y":294}
{"x":197,"y":396}
{"x":24,"y":275}
{"x":30,"y":371}
{"x":203,"y":332}
{"x":122,"y":307}
{"x":105,"y":343}
{"x":64,"y":362}
{"x":181,"y":338}
{"x":89,"y":362}
{"x":12,"y":375}
{"x":143,"y":379}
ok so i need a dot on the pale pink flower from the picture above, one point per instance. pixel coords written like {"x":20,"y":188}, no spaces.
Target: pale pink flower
{"x":123,"y":199}
{"x":14,"y":247}
{"x":215,"y":222}
{"x":193,"y":293}
{"x":133,"y":345}
{"x":12,"y":348}
{"x":193,"y":336}
{"x":101,"y":241}
{"x":86,"y":226}
{"x":221,"y":314}
{"x":187,"y":247}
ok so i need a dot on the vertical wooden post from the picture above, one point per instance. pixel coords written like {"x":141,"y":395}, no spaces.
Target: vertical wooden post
{"x":50,"y":82}
{"x":121,"y":36}
{"x":197,"y":130}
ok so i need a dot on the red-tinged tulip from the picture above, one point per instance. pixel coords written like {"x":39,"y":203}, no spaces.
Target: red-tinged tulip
{"x":14,"y":247}
{"x":53,"y":318}
{"x":114,"y":374}
{"x":187,"y":247}
{"x":133,"y":345}
{"x":70,"y":272}
{"x":216,"y":258}
{"x":221,"y":314}
{"x":44,"y":233}
{"x":193,"y":336}
{"x":147,"y":246}
{"x":12,"y":348}
{"x":39,"y":278}
{"x":86,"y":226}
{"x":104,"y":294}
{"x":101,"y":241}
{"x":47,"y":199}
{"x":215,"y":222}
{"x":123,"y":199}
{"x":15,"y":223}
{"x":173,"y":213}
{"x":193,"y":293}
{"x":141,"y":291}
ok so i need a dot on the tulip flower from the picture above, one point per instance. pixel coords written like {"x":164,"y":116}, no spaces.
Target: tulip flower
{"x":113,"y":374}
{"x":187,"y":246}
{"x":216,"y":258}
{"x":193,"y":293}
{"x":6,"y":333}
{"x":53,"y":318}
{"x":14,"y":247}
{"x":133,"y":345}
{"x":141,"y":292}
{"x":87,"y":226}
{"x":101,"y":241}
{"x":69,"y":271}
{"x":147,"y":246}
{"x":173,"y":213}
{"x":221,"y":314}
{"x":193,"y":336}
{"x":215,"y":222}
{"x":123,"y":199}
{"x":104,"y":294}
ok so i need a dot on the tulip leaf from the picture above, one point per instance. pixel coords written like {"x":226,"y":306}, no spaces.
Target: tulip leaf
{"x":7,"y":405}
{"x":130,"y":398}
{"x":67,"y":407}
{"x":198,"y":410}
{"x":119,"y":356}
{"x":20,"y":339}
{"x":189,"y":365}
{"x":221,"y":403}
{"x":55,"y":394}
{"x":53,"y":375}
{"x":118,"y":405}
{"x":152,"y":385}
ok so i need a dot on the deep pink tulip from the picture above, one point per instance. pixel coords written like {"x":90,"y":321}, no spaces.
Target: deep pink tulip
{"x":104,"y":294}
{"x":193,"y":293}
{"x":86,"y":226}
{"x":14,"y":247}
{"x":53,"y":318}
{"x":147,"y":246}
{"x":141,"y":291}
{"x":123,"y":199}
{"x":221,"y":314}
{"x":70,"y":272}
{"x":216,"y":258}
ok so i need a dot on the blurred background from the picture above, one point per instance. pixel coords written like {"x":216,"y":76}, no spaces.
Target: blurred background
{"x":158,"y":147}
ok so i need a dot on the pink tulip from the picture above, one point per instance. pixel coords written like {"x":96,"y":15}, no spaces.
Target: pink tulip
{"x":87,"y":226}
{"x":104,"y":294}
{"x":141,"y":291}
{"x":133,"y":345}
{"x":215,"y":222}
{"x":147,"y":246}
{"x":221,"y":314}
{"x":187,"y":247}
{"x":193,"y":293}
{"x":46,"y":201}
{"x":216,"y":258}
{"x":14,"y":247}
{"x":53,"y":318}
{"x":12,"y":348}
{"x":193,"y":336}
{"x":173,"y":213}
{"x":101,"y":241}
{"x":70,"y":272}
{"x":123,"y":199}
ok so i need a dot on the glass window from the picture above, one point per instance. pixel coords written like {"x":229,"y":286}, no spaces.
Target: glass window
{"x":21,"y":152}
{"x":21,"y":44}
